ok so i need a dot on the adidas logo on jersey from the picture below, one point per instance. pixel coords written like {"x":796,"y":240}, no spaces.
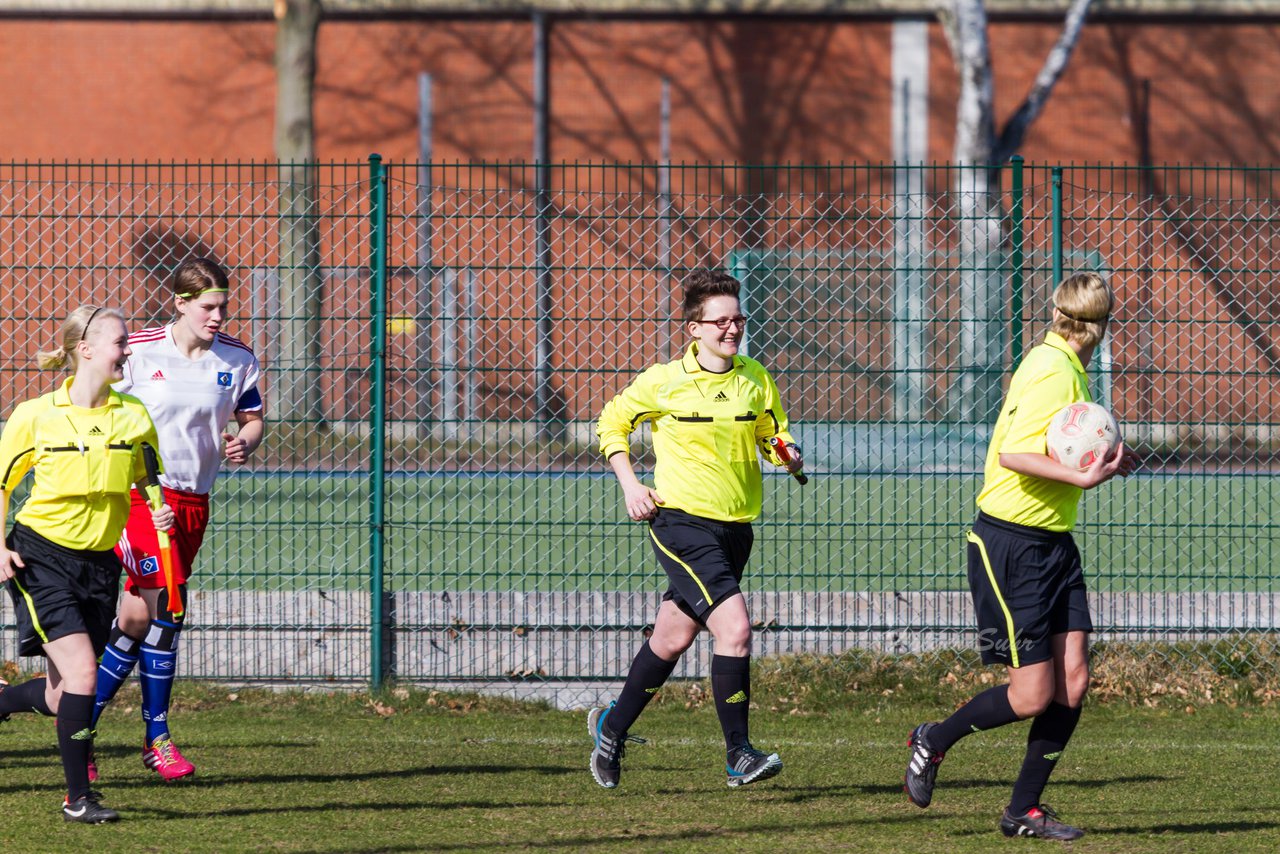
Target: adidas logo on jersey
{"x":721,"y":397}
{"x":95,"y":430}
{"x":158,"y":375}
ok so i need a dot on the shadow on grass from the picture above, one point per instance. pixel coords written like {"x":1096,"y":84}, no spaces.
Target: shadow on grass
{"x":1007,"y":782}
{"x":124,"y":751}
{"x":799,"y":794}
{"x":595,"y":841}
{"x":735,"y":835}
{"x":40,"y":759}
{"x":1189,"y":828}
{"x":398,"y":807}
{"x":220,"y":780}
{"x":1198,"y":827}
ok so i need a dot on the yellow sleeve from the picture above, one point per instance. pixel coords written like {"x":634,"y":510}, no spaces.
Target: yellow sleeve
{"x":17,"y":446}
{"x":622,"y":415}
{"x":1042,"y":398}
{"x":772,"y":421}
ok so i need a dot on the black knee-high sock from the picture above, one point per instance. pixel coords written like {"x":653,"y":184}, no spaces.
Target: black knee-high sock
{"x":731,"y":688}
{"x":1050,"y":732}
{"x":987,"y":710}
{"x":648,"y":673}
{"x":75,"y":739}
{"x":27,"y":697}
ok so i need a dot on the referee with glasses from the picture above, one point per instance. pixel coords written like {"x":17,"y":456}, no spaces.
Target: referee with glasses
{"x":84,"y":442}
{"x":712,"y":413}
{"x":1024,"y":568}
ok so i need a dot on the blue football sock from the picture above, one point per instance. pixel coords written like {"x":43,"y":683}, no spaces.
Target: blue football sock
{"x":117,"y":662}
{"x":159,"y":655}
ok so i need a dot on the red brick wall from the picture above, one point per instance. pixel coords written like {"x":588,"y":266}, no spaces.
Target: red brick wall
{"x":743,"y":90}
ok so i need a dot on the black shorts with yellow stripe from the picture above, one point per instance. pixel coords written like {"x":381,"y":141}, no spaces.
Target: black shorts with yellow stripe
{"x":61,"y":591}
{"x":1027,"y":585}
{"x":703,"y":558}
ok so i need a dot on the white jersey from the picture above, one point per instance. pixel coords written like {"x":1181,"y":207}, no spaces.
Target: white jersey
{"x":191,"y":401}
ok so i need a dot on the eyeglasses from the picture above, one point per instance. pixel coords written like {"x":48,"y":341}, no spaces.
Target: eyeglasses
{"x":725,"y":322}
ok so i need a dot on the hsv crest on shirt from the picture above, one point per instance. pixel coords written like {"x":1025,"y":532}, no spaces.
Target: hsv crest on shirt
{"x":191,"y":401}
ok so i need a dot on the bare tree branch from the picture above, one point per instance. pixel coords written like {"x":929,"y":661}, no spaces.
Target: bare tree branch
{"x":1210,"y":263}
{"x":1015,"y":130}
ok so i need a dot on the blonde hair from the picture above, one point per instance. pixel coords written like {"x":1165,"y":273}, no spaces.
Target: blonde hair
{"x":1082,"y":305}
{"x":74,"y":330}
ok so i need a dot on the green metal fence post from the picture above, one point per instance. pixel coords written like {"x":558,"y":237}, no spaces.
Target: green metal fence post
{"x":1057,"y":225}
{"x":1016,"y":262}
{"x":377,"y":417}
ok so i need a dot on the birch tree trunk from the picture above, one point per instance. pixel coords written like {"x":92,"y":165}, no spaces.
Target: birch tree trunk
{"x":911,"y":282}
{"x":975,"y":392}
{"x":979,"y":152}
{"x":297,"y":376}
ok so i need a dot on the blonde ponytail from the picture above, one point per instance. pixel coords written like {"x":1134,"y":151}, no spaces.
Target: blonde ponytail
{"x":74,"y":329}
{"x":52,"y":360}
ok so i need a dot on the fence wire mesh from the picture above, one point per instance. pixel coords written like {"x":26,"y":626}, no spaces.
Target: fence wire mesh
{"x":889,"y":303}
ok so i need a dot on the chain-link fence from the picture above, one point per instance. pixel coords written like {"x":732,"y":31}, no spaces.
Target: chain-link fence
{"x":438,"y":340}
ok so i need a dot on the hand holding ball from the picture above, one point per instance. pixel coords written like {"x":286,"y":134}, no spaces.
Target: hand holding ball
{"x":1081,"y":433}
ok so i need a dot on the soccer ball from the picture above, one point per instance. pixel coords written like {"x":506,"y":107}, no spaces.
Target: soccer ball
{"x":1080,"y":433}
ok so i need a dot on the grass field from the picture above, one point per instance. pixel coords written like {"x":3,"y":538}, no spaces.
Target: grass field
{"x":339,"y":773}
{"x":1158,"y":533}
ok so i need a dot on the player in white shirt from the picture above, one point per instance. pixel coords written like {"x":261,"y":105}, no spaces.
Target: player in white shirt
{"x":193,"y":379}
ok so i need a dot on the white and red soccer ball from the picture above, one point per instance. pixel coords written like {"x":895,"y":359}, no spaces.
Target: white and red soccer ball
{"x":1080,"y":433}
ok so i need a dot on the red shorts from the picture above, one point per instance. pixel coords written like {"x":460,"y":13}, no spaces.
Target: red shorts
{"x":139,"y":550}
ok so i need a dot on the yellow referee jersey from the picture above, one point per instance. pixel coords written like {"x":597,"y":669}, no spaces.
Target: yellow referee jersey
{"x":1049,"y":378}
{"x":85,"y":462}
{"x":709,"y":430}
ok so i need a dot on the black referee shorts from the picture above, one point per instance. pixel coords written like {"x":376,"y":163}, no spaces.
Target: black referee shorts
{"x":61,"y":591}
{"x":1027,"y":586}
{"x":703,"y":558}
